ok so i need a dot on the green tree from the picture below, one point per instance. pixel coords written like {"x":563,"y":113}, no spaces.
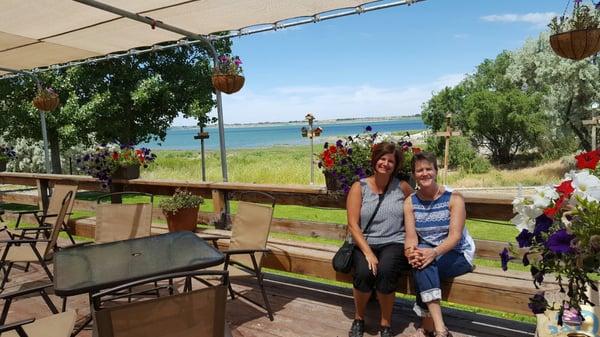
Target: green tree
{"x":570,"y":88}
{"x":493,"y":111}
{"x":130,"y":100}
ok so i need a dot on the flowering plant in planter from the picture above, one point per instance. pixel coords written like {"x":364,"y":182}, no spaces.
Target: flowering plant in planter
{"x":7,"y":153}
{"x":559,"y":226}
{"x":578,"y":36}
{"x":104,"y":160}
{"x":227,"y":74}
{"x":349,"y":159}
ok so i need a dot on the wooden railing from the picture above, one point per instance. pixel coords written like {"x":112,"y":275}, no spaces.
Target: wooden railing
{"x":479,"y":204}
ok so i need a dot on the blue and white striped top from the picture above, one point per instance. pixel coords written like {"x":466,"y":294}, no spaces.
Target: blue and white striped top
{"x":432,"y":221}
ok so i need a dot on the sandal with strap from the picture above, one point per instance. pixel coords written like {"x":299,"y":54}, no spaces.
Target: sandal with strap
{"x":444,"y":333}
{"x":421,"y":333}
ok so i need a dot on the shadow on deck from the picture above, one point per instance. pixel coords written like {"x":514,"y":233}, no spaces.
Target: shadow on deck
{"x":302,"y":308}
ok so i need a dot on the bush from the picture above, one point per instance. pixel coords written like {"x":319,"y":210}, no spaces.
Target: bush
{"x":479,"y":164}
{"x":462,"y":154}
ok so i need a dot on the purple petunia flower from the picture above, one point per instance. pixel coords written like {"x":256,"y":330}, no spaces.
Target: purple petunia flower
{"x":339,"y":143}
{"x":538,"y":303}
{"x":542,"y":225}
{"x":560,"y":242}
{"x":505,"y":257}
{"x":525,"y":238}
{"x":368,"y":128}
{"x":525,"y":259}
{"x":350,"y":151}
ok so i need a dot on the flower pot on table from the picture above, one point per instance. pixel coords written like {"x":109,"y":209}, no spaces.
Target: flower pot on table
{"x":576,"y":44}
{"x":184,"y":219}
{"x":127,"y":172}
{"x":228,"y":83}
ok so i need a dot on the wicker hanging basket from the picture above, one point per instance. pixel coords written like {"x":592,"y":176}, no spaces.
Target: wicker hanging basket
{"x":46,"y":100}
{"x":576,"y":44}
{"x":228,"y":83}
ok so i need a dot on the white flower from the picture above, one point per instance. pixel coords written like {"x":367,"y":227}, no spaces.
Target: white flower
{"x":382,"y":137}
{"x":586,"y":186}
{"x":526,"y":214}
{"x":544,"y":196}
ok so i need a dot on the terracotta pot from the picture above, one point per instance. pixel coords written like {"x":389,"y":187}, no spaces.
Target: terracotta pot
{"x":48,"y":102}
{"x":3,"y":165}
{"x":228,"y":83}
{"x":576,"y":44}
{"x":185,"y":219}
{"x":127,"y":172}
{"x":331,"y":182}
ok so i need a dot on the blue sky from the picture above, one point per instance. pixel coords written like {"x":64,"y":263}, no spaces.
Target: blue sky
{"x":380,"y":63}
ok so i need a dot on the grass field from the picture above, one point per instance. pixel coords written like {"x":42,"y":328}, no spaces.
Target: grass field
{"x":291,"y":165}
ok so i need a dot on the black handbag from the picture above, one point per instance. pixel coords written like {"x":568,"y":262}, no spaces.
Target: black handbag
{"x":342,"y":260}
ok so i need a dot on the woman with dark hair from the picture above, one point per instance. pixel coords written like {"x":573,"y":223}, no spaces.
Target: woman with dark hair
{"x":438,"y":245}
{"x":375,"y":221}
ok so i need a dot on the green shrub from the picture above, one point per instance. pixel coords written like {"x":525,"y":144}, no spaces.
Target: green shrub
{"x":479,"y":164}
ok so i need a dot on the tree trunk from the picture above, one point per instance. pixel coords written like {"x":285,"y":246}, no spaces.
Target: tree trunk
{"x":54,"y":144}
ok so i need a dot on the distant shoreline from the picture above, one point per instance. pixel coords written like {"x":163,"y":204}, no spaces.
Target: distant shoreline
{"x":317,"y":122}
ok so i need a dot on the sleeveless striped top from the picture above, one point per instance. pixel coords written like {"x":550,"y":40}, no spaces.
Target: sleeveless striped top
{"x":388,"y":224}
{"x":432,"y":220}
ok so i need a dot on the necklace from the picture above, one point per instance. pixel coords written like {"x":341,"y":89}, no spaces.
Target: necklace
{"x":437,"y":191}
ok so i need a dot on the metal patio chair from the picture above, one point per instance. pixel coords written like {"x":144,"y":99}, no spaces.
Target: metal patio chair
{"x":28,"y":249}
{"x":190,"y":313}
{"x":59,"y":324}
{"x":248,"y":244}
{"x":115,"y":222}
{"x":45,"y":217}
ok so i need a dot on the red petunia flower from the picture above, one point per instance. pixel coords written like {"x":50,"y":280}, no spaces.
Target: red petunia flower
{"x":551,"y":211}
{"x":115,"y":155}
{"x":587,"y":160}
{"x":333,"y":149}
{"x":565,"y":188}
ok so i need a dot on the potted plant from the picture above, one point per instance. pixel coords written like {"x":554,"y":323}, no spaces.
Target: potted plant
{"x":350,"y":159}
{"x":227,"y":74}
{"x":46,"y":99}
{"x":181,"y":210}
{"x":578,"y":36}
{"x":559,"y":228}
{"x":115,"y":161}
{"x":6,"y":153}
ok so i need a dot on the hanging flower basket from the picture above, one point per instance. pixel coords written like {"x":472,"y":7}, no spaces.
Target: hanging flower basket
{"x":576,"y":44}
{"x":228,"y":83}
{"x":46,"y":100}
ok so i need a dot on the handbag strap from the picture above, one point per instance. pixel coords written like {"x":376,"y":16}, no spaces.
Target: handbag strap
{"x":381,"y":196}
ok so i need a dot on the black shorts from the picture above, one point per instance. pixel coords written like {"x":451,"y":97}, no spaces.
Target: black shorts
{"x":391,"y":263}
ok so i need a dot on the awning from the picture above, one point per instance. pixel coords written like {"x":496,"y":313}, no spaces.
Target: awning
{"x":40,"y":33}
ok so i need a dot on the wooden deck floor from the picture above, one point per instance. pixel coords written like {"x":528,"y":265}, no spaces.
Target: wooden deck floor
{"x":301,"y":308}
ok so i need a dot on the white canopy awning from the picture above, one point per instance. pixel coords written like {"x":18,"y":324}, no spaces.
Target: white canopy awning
{"x":40,"y":33}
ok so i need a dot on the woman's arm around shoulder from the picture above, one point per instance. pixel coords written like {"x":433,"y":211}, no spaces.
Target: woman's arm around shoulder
{"x":406,"y":188}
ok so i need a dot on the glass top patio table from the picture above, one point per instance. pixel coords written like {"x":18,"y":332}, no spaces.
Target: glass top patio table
{"x":91,"y":268}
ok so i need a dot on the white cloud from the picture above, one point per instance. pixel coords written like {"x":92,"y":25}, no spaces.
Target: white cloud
{"x":294,"y":102}
{"x":536,"y":19}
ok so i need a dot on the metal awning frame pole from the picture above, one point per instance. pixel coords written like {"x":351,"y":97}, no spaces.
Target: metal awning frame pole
{"x":154,"y":23}
{"x":42,"y":116}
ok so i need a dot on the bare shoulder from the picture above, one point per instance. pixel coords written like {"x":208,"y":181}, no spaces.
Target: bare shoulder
{"x":456,"y":198}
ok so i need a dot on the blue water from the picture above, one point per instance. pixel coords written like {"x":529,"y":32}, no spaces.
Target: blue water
{"x":264,"y":136}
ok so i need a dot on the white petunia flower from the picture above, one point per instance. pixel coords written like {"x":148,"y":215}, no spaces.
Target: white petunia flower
{"x":586,"y":186}
{"x":544,"y":196}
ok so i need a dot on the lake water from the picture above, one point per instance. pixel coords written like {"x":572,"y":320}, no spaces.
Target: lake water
{"x":264,"y":136}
